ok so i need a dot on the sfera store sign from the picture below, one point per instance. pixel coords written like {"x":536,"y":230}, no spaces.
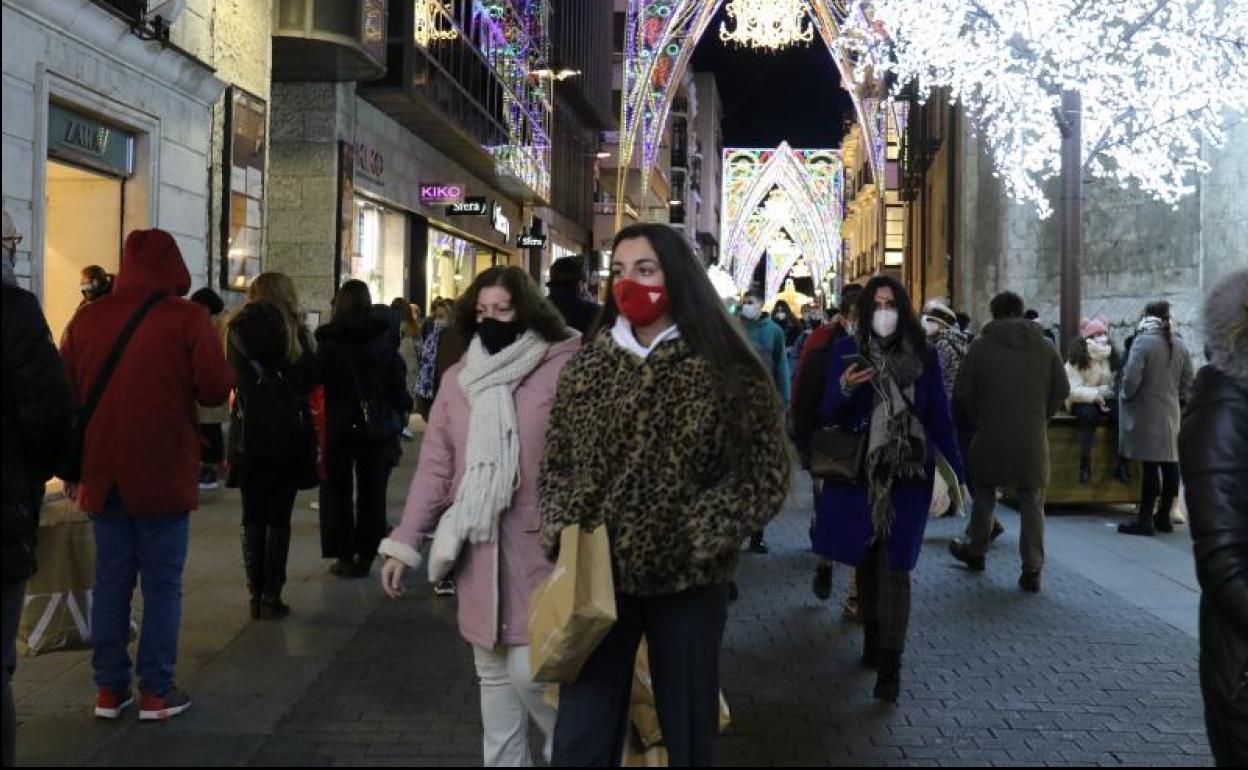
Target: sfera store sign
{"x":530,"y":241}
{"x":477,"y":206}
{"x":439,"y":193}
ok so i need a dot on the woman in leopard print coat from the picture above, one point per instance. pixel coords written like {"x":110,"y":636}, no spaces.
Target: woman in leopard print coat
{"x":667,"y":428}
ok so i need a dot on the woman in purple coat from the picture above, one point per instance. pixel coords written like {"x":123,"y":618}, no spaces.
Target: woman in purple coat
{"x":876,"y":524}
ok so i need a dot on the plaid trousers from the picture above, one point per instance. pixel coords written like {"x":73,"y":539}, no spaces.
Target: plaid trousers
{"x":884,"y":596}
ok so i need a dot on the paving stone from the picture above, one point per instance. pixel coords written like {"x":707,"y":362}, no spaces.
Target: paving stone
{"x":1074,"y":676}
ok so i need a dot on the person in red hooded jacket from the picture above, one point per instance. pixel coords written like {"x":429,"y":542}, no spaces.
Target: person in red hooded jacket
{"x":140,"y":462}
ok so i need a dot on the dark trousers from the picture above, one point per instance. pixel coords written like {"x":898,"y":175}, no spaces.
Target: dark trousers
{"x":1089,"y":416}
{"x":14,"y":595}
{"x":352,"y":526}
{"x":212,"y":443}
{"x":266,"y":536}
{"x":884,"y":597}
{"x":1160,"y":478}
{"x":683,"y":632}
{"x":267,"y":505}
{"x":965,"y":430}
{"x":1031,"y":518}
{"x":1225,"y":723}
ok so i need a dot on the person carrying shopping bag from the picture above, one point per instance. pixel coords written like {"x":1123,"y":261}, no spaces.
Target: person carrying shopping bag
{"x":668,"y":429}
{"x":481,"y":452}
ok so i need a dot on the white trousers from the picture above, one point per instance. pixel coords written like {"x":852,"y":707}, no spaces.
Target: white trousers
{"x":509,"y":697}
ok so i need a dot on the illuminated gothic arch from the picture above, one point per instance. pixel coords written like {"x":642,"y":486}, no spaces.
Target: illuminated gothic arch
{"x":659,"y":40}
{"x":767,"y":193}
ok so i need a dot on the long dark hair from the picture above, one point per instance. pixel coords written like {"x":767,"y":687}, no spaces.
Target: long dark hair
{"x":782,"y":307}
{"x":353,"y":304}
{"x":908,"y":327}
{"x":1161,"y":309}
{"x":532,"y":309}
{"x":703,"y":322}
{"x":1079,"y":357}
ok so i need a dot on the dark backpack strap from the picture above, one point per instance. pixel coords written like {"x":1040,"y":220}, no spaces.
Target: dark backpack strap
{"x":114,"y":357}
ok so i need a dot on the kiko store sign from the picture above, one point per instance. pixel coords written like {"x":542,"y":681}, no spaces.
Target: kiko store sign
{"x":441,"y":193}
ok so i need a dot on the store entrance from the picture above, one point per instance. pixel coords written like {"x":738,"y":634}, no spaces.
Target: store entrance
{"x":84,"y":215}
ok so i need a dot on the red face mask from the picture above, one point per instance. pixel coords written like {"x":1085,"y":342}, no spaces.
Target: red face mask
{"x":642,"y":305}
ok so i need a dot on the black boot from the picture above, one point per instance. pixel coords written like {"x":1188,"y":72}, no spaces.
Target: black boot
{"x":1143,"y":525}
{"x":277,"y":549}
{"x":1161,"y":519}
{"x":757,"y":544}
{"x":253,"y":565}
{"x":888,"y":679}
{"x":871,"y":645}
{"x":1085,"y":470}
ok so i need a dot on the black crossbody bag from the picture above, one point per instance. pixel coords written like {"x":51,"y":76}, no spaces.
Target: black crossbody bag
{"x":71,"y":461}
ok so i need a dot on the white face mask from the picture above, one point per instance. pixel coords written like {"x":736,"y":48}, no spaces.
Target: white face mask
{"x":884,"y":322}
{"x":750,"y":310}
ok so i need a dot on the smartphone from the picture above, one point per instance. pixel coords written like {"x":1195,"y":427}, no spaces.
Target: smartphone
{"x":858,"y":360}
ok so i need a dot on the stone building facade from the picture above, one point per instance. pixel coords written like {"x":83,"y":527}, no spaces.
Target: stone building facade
{"x":105,"y":132}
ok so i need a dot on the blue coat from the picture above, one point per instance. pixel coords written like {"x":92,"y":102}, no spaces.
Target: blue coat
{"x":768,"y":340}
{"x":843,"y":523}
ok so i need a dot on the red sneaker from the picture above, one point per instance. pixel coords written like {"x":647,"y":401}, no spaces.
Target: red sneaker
{"x":109,"y":703}
{"x":155,"y":707}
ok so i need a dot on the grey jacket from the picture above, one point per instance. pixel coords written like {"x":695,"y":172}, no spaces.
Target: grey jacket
{"x":1154,"y":381}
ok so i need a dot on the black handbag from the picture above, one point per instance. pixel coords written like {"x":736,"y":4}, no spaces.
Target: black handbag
{"x":70,"y":467}
{"x":837,"y":454}
{"x":378,"y":420}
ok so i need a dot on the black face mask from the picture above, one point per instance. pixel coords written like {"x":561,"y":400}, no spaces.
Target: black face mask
{"x":496,"y":335}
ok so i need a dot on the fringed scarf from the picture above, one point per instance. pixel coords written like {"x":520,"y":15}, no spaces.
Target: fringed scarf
{"x":897,"y":445}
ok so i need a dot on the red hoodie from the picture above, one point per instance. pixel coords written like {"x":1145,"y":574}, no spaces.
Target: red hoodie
{"x":826,"y":334}
{"x":144,"y":435}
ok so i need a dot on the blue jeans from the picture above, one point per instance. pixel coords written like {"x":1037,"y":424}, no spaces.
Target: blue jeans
{"x":126,"y":547}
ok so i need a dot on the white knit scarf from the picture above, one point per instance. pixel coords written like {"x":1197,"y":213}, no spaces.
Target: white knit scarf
{"x":492,"y":460}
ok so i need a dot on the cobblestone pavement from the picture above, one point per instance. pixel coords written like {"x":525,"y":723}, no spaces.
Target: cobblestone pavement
{"x":1076,"y":675}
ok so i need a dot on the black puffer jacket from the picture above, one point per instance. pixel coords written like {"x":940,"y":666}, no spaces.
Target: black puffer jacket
{"x":37,"y":406}
{"x":257,"y":338}
{"x":360,"y":361}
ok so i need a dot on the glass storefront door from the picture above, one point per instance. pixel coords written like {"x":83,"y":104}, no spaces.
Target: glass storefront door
{"x":84,"y":213}
{"x":379,"y":256}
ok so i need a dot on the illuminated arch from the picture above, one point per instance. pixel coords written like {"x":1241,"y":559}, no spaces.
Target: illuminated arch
{"x":769,"y":192}
{"x":660,"y":36}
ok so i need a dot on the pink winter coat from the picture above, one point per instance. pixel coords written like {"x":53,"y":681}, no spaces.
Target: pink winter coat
{"x":491,"y":610}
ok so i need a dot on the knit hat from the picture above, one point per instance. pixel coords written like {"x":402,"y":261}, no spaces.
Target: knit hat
{"x":1094,"y":327}
{"x":940,"y":312}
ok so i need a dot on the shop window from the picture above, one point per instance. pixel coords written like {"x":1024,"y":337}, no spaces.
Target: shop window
{"x":454,"y":262}
{"x":244,"y":167}
{"x":379,"y":256}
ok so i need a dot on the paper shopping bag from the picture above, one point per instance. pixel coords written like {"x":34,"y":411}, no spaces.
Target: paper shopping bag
{"x":642,"y":709}
{"x":573,"y":609}
{"x":57,"y":610}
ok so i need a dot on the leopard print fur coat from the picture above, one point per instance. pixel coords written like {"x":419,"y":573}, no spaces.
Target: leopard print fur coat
{"x":642,"y":444}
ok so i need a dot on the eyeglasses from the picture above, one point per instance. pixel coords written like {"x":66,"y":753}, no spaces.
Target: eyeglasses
{"x":12,"y":241}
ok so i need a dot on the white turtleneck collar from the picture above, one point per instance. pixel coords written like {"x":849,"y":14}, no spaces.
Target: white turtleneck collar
{"x":623,"y":335}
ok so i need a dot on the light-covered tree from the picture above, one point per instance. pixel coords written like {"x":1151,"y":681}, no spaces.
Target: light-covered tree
{"x":1157,"y":79}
